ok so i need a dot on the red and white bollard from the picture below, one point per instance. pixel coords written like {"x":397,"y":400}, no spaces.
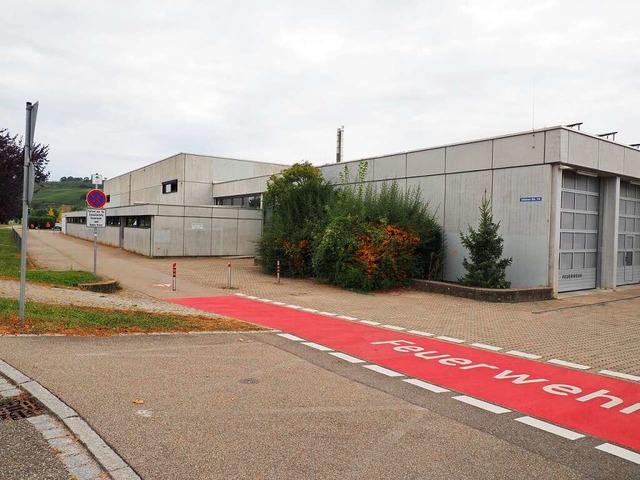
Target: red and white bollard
{"x":175,"y":265}
{"x":278,"y":270}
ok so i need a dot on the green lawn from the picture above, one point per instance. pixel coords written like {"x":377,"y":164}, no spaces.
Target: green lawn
{"x":10,"y":266}
{"x":72,"y":320}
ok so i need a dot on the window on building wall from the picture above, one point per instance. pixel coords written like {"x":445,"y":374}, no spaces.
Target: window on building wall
{"x":246,"y":201}
{"x":170,"y":187}
{"x":140,"y":221}
{"x":113,"y":221}
{"x":108,"y":198}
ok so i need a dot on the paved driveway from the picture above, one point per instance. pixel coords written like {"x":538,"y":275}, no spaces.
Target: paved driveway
{"x":260,"y":406}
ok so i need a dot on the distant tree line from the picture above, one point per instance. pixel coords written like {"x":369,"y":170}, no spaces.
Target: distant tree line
{"x":74,"y":179}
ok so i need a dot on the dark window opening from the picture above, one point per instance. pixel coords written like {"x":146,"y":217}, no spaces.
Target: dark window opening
{"x":141,"y":221}
{"x":170,"y":187}
{"x":245,"y":201}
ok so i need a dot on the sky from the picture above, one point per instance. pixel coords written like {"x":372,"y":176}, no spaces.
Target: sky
{"x":122,"y":84}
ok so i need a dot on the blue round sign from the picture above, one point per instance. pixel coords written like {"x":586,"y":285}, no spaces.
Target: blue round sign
{"x":96,"y":198}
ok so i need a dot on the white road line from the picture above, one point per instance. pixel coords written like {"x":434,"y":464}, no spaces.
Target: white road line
{"x":288,"y":336}
{"x":240,"y":294}
{"x":626,"y":376}
{"x":346,"y":317}
{"x":578,"y":366}
{"x":369,"y":322}
{"x":425,"y":385}
{"x":450,"y":339}
{"x":486,"y":347}
{"x":548,"y":427}
{"x":620,"y":452}
{"x":328,"y":314}
{"x":393,"y":327}
{"x":280,"y":304}
{"x":384,"y":371}
{"x":490,"y":407}
{"x":317,"y":346}
{"x":346,"y":357}
{"x":266,"y":300}
{"x":421,"y":333}
{"x":296,"y":307}
{"x":518,"y":353}
{"x":310,"y":310}
{"x":252,"y":297}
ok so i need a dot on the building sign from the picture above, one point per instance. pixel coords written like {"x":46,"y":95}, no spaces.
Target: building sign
{"x":530,"y":199}
{"x":96,"y":218}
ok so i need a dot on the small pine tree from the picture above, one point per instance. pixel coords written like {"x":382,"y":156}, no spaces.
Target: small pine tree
{"x":486,"y":268}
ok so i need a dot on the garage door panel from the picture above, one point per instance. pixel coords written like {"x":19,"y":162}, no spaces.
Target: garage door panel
{"x":579,"y":223}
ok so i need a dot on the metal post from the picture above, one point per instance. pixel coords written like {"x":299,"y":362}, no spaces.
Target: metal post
{"x":95,"y":244}
{"x":229,"y":276}
{"x":278,"y":270}
{"x":25,"y":213}
{"x":174,"y":276}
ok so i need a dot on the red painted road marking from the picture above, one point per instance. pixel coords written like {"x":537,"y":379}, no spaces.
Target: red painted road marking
{"x":600,"y":406}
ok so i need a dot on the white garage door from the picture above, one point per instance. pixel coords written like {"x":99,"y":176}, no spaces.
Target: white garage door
{"x":578,"y":232}
{"x":629,"y":234}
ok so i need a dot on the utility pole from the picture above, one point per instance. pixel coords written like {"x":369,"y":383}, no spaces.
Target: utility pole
{"x":27,"y":195}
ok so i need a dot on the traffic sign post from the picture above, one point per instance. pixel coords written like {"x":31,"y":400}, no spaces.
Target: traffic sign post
{"x":27,"y":195}
{"x":96,"y":218}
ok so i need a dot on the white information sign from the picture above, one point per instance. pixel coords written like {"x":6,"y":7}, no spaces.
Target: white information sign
{"x":96,"y":218}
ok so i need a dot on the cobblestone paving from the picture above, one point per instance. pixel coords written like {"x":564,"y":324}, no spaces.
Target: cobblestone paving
{"x":598,"y":328}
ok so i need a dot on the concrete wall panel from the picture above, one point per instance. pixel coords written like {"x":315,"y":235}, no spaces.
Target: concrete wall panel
{"x":469,"y":157}
{"x":137,"y":240}
{"x":426,"y":162}
{"x":632,"y":163}
{"x":583,"y":150}
{"x":610,"y":157}
{"x":524,"y":225}
{"x":432,"y":192}
{"x":332,"y":171}
{"x":394,"y":166}
{"x":463,"y":195}
{"x":198,"y":211}
{"x":248,"y":233}
{"x":197,"y":236}
{"x":224,"y":236}
{"x":519,"y":151}
{"x":168,"y":236}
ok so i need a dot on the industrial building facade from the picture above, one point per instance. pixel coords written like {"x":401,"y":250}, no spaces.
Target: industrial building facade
{"x":568,"y":204}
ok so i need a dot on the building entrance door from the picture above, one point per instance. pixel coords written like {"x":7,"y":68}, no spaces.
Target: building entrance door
{"x":578,"y":232}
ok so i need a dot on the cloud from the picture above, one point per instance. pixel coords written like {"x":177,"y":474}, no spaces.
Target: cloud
{"x":123,"y":84}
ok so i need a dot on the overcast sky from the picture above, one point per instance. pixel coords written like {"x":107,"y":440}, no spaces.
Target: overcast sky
{"x":125,"y":83}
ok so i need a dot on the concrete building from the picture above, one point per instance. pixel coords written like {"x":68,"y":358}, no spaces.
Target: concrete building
{"x":167,"y":209}
{"x":568,"y":204}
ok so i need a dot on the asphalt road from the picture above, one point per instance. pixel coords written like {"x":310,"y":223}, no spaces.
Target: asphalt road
{"x":258,"y":406}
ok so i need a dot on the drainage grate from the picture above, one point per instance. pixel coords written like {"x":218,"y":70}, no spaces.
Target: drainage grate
{"x":17,"y":408}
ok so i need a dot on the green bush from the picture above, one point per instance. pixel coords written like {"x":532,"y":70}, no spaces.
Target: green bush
{"x":377,"y":239}
{"x":297,"y":199}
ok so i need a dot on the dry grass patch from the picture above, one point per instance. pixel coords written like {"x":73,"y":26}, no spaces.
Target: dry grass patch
{"x":44,"y":318}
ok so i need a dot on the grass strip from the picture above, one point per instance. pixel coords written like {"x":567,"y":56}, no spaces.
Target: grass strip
{"x":10,"y":266}
{"x":45,"y":318}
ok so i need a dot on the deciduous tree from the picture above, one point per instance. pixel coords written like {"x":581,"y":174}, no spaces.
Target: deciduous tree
{"x":12,"y":172}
